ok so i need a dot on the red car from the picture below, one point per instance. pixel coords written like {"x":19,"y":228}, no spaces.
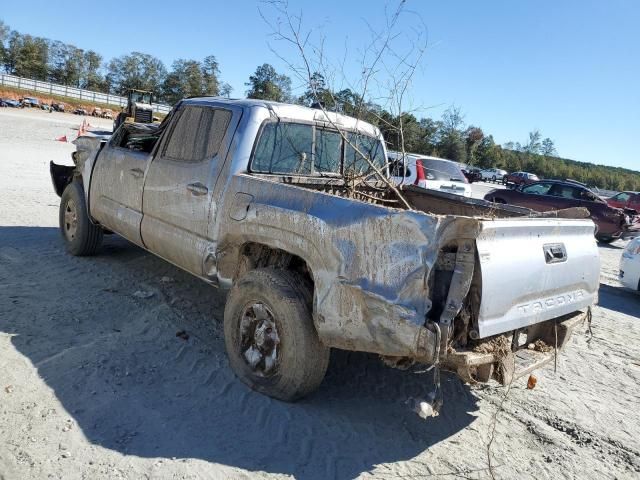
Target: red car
{"x":611,"y":223}
{"x":520,"y":178}
{"x":626,"y":200}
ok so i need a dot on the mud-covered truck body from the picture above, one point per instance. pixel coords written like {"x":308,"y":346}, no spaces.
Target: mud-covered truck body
{"x":278,"y":204}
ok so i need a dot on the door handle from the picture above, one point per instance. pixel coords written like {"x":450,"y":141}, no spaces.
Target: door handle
{"x":197,"y":188}
{"x":136,"y":172}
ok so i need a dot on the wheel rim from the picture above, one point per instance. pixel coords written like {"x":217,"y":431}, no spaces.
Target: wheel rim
{"x":259,"y":339}
{"x":70,"y":220}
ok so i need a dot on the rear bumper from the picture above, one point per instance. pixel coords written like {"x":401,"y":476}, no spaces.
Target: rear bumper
{"x":482,"y":364}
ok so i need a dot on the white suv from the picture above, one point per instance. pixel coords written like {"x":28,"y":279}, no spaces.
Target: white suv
{"x":493,"y":174}
{"x":428,"y":172}
{"x":630,"y":265}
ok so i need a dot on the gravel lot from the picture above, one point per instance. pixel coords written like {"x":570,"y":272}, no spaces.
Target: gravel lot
{"x":95,"y":384}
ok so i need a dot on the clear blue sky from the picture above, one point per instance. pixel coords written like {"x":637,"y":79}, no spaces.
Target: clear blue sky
{"x":569,"y":68}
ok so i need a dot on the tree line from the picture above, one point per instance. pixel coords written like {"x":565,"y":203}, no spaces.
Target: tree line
{"x":447,"y":137}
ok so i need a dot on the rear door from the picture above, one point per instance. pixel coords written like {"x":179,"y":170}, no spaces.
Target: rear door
{"x":179,"y":187}
{"x":115,"y":194}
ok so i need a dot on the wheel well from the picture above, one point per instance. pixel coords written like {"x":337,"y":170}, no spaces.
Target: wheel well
{"x":61,"y":176}
{"x":257,"y":255}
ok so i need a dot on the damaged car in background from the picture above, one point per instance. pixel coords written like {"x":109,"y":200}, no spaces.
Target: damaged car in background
{"x":292,"y":210}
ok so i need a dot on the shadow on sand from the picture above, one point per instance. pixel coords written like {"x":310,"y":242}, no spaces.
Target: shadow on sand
{"x":619,"y":299}
{"x":115,"y":363}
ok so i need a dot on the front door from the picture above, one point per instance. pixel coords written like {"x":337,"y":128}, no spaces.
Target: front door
{"x":179,"y":186}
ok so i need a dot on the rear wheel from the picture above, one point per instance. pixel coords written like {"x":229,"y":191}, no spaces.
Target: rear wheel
{"x":271,"y":341}
{"x":81,"y":237}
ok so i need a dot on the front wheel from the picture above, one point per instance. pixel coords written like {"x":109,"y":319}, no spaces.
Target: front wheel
{"x":81,"y":237}
{"x":271,"y":341}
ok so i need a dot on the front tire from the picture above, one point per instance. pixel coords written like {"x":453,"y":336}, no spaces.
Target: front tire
{"x":81,"y":237}
{"x":271,"y":341}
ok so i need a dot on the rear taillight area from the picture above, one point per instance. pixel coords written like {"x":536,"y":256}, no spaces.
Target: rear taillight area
{"x":419,"y":172}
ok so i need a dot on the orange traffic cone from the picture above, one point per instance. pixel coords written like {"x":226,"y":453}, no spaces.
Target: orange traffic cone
{"x":81,"y":129}
{"x":62,"y":139}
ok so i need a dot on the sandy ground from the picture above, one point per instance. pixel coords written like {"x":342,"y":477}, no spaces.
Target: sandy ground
{"x":95,"y":384}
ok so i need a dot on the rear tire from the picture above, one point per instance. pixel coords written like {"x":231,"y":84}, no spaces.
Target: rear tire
{"x":81,"y":237}
{"x":272,"y":344}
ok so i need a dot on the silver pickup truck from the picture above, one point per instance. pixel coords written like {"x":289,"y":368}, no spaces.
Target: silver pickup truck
{"x":273,"y":202}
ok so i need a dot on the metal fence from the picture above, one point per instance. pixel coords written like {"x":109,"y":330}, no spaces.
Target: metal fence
{"x":70,"y":92}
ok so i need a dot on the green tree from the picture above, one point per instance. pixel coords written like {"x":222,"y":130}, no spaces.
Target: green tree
{"x":4,"y":34}
{"x":210,"y":76}
{"x":472,"y":136}
{"x":451,"y":144}
{"x":267,"y":84}
{"x":184,"y":80}
{"x":27,"y":56}
{"x":91,"y":78}
{"x":534,"y":144}
{"x":317,"y":92}
{"x":136,"y":70}
{"x":548,"y":148}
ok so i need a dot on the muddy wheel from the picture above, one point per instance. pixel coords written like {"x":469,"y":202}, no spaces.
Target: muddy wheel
{"x":81,"y":237}
{"x":271,"y":341}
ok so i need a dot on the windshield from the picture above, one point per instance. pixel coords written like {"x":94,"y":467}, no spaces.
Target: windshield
{"x":443,"y":170}
{"x":141,"y":97}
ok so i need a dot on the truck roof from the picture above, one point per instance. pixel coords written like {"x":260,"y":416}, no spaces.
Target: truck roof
{"x":294,"y":112}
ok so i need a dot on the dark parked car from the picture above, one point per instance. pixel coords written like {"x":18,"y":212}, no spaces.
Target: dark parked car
{"x":80,"y":111}
{"x":58,"y":107}
{"x":611,"y":223}
{"x":7,"y":102}
{"x":472,"y":174}
{"x":520,"y":178}
{"x":31,"y":102}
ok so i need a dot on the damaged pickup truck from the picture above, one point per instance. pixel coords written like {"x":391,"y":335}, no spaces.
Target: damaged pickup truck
{"x":268,"y":200}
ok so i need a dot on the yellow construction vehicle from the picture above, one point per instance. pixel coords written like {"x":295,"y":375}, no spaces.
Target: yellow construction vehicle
{"x":138,"y":109}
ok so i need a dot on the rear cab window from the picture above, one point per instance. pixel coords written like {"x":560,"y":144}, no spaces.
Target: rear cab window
{"x":290,"y":148}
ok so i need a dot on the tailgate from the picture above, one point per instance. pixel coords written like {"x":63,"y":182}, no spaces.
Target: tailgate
{"x":534,"y":270}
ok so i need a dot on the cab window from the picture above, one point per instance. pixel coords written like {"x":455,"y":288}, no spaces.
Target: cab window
{"x":197,"y":133}
{"x":302,"y":149}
